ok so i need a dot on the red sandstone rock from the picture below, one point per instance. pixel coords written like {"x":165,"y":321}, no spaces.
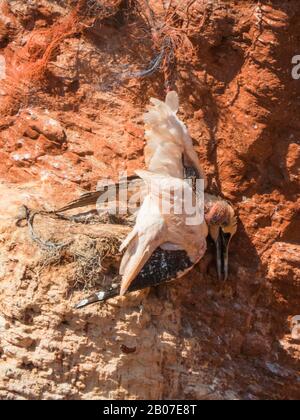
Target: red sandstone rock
{"x":196,"y":338}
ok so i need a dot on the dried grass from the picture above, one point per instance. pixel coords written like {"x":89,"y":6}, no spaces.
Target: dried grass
{"x":96,"y":262}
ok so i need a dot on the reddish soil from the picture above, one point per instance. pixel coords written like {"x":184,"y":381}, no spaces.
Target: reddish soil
{"x":72,"y":115}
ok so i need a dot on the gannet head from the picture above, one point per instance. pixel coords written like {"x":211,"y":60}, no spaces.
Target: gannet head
{"x":222,"y":224}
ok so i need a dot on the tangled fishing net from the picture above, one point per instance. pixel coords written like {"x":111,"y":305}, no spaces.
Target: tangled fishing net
{"x":27,"y":66}
{"x":166,"y":34}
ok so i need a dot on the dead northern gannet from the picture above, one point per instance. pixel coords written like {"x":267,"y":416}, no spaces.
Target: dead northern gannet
{"x":163,"y":248}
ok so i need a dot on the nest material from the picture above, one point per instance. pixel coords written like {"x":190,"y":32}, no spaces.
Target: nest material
{"x":91,"y":246}
{"x":96,"y":261}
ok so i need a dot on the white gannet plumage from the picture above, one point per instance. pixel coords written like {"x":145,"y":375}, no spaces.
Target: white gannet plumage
{"x":169,"y":230}
{"x":169,"y":145}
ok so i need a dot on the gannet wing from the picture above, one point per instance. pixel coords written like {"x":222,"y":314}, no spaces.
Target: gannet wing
{"x":133,"y":185}
{"x":147,"y":235}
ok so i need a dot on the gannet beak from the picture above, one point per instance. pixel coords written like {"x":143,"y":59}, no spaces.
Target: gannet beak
{"x":222,"y":247}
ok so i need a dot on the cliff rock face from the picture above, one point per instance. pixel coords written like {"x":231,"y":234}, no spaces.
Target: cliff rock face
{"x":70,"y":115}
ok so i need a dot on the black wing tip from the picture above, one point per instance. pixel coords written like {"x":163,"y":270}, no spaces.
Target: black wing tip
{"x":88,"y":301}
{"x":82,"y":304}
{"x":97,"y":297}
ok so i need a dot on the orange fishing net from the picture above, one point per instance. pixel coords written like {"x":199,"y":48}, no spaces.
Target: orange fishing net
{"x":29,"y":63}
{"x":26,"y":67}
